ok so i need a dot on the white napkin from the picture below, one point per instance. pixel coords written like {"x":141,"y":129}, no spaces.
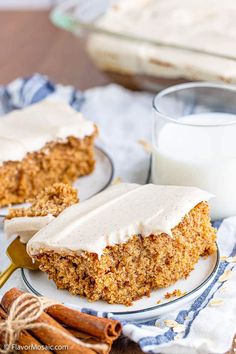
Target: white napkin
{"x":123,"y":118}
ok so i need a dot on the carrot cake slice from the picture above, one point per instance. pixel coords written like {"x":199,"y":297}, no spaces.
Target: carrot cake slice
{"x":48,"y":204}
{"x":42,"y":144}
{"x":126,"y":241}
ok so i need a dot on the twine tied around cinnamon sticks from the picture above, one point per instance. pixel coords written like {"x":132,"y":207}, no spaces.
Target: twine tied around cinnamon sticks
{"x":24,"y":311}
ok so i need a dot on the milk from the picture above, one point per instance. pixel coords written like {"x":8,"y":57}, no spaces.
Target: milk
{"x":202,"y":156}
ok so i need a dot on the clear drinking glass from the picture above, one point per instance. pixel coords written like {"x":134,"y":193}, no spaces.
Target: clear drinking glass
{"x":194,"y":140}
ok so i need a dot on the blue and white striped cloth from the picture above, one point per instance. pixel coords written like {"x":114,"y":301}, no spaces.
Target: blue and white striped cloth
{"x":207,"y":329}
{"x":25,"y":91}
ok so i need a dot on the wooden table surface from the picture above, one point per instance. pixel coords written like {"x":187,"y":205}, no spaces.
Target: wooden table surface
{"x":30,"y":43}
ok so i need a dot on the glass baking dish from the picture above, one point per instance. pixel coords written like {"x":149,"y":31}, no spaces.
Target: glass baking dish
{"x":140,"y":61}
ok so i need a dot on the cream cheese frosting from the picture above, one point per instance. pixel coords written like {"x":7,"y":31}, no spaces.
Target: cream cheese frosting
{"x":205,"y":25}
{"x":25,"y":226}
{"x":29,"y":129}
{"x":115,"y":215}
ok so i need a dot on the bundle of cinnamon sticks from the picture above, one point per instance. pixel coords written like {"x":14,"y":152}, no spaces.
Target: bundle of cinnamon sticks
{"x":91,"y":331}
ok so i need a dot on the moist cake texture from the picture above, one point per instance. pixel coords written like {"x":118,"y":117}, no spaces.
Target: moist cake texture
{"x":43,"y":144}
{"x":126,"y":241}
{"x":51,"y":200}
{"x":47,"y":205}
{"x":131,"y":270}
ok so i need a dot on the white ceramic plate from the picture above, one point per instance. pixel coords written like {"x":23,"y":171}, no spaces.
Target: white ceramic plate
{"x":141,"y":310}
{"x":91,"y":184}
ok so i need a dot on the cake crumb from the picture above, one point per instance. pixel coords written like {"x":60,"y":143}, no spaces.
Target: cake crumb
{"x":176,"y":327}
{"x":175,"y":293}
{"x":216,"y":302}
{"x":178,"y":336}
{"x":223,"y":289}
{"x":228,"y":259}
{"x":159,"y":301}
{"x":180,"y":328}
{"x":146,"y":145}
{"x":170,"y":323}
{"x":225,"y":276}
{"x":231,"y":259}
{"x":117,"y":180}
{"x":157,"y":324}
{"x":223,"y":258}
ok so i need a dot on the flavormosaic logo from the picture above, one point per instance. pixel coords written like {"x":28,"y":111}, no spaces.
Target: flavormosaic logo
{"x":16,"y":347}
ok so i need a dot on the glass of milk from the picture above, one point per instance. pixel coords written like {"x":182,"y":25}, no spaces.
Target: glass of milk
{"x":194,"y":141}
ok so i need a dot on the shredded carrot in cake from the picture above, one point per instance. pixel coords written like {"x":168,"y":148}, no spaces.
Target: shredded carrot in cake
{"x":51,"y":200}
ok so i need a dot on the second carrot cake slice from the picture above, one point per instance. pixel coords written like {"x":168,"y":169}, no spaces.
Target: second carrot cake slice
{"x":42,"y":144}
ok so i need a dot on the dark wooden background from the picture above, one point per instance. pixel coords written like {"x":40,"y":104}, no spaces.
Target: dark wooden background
{"x":29,"y":43}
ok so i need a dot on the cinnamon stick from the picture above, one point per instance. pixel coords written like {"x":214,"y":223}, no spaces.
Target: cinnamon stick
{"x":87,"y":338}
{"x":107,"y":330}
{"x":45,"y":335}
{"x":24,"y":340}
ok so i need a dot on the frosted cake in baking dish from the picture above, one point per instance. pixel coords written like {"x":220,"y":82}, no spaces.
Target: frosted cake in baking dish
{"x":141,"y":27}
{"x":126,"y":241}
